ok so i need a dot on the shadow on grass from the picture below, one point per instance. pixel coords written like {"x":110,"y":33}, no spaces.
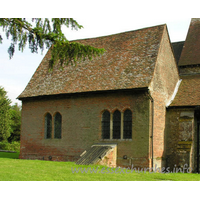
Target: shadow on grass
{"x":9,"y":155}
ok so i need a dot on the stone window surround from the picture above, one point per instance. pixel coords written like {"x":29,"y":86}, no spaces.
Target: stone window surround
{"x":52,"y":126}
{"x":111,"y":126}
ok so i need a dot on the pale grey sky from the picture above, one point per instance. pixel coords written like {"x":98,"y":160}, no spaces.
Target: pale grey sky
{"x":99,"y":18}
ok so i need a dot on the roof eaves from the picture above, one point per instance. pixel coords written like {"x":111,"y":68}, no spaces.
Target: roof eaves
{"x":145,"y":89}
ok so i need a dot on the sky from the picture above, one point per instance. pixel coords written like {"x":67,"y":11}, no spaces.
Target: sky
{"x":98,"y":19}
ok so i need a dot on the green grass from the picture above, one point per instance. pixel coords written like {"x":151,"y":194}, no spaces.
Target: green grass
{"x":14,"y":169}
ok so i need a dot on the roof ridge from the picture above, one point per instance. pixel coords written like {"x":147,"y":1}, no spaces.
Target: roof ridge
{"x":139,"y":29}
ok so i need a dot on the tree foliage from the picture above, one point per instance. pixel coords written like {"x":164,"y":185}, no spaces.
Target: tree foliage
{"x":47,"y":32}
{"x":10,"y":119}
{"x":5,"y":120}
{"x":15,"y":126}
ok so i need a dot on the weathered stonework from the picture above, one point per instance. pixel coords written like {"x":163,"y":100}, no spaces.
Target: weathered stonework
{"x":110,"y":159}
{"x":180,"y":138}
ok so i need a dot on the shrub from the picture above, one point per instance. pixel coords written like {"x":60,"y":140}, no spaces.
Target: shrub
{"x":13,"y":146}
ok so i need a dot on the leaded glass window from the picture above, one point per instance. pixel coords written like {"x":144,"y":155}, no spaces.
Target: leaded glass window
{"x":106,"y":125}
{"x":57,"y":125}
{"x":127,"y":124}
{"x":117,"y":125}
{"x":48,"y":126}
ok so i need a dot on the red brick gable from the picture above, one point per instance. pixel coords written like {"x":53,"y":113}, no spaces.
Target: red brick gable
{"x":128,"y":62}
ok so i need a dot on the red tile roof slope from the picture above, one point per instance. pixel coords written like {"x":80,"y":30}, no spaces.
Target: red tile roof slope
{"x":191,"y":50}
{"x":188,"y":92}
{"x":128,"y":62}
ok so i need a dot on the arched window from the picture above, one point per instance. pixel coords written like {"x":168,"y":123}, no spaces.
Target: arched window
{"x":57,"y":125}
{"x":48,"y":126}
{"x":127,"y":124}
{"x":105,"y":125}
{"x":116,"y":125}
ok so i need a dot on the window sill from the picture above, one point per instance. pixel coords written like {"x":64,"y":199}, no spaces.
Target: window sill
{"x":52,"y":138}
{"x":120,"y":140}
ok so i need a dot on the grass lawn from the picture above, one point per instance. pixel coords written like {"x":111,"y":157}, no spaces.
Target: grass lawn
{"x":14,"y":169}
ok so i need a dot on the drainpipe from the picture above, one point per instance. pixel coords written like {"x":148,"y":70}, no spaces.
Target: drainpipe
{"x":198,"y":129}
{"x":197,"y":115}
{"x":152,"y":122}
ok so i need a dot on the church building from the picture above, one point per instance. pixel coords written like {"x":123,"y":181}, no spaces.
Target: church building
{"x":137,"y":105}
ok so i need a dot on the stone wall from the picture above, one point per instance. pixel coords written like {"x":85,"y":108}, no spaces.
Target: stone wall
{"x":180,"y":138}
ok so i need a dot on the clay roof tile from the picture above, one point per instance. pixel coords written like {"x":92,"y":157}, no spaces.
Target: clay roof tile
{"x":128,"y":62}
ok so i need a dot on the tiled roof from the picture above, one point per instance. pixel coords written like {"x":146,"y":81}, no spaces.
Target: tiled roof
{"x":191,"y":50}
{"x":188,"y":92}
{"x":93,"y":155}
{"x":177,"y":48}
{"x":128,"y":62}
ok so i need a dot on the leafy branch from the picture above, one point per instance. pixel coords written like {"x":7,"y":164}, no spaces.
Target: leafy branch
{"x":47,"y":33}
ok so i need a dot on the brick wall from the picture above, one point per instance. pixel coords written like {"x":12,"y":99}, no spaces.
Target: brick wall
{"x":81,"y":126}
{"x":162,"y":88}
